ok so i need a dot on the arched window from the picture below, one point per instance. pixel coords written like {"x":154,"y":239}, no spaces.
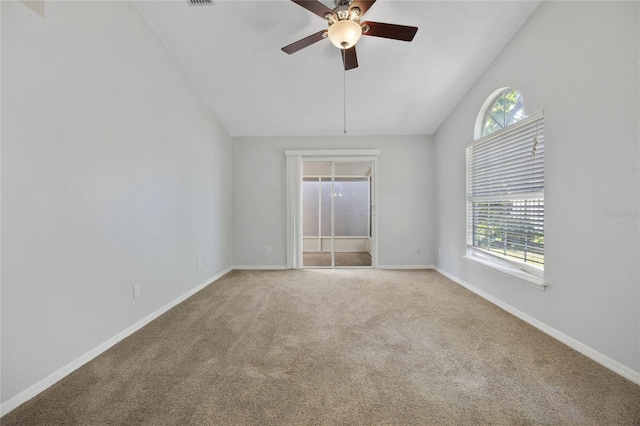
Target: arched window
{"x":507,"y":108}
{"x":505,"y":188}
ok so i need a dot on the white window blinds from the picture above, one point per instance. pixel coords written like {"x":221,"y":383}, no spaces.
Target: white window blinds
{"x":505,"y":192}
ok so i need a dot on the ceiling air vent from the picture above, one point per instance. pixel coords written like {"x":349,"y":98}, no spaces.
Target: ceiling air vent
{"x":199,"y":2}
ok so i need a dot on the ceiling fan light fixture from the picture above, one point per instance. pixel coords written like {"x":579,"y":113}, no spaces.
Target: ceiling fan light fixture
{"x":345,"y":34}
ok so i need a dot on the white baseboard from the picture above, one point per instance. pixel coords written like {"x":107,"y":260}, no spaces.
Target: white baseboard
{"x":260,"y":267}
{"x":588,"y":351}
{"x":279,"y":267}
{"x":405,"y":267}
{"x":56,"y":376}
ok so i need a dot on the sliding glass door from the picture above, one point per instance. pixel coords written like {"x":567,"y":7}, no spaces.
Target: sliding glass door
{"x":337,"y":213}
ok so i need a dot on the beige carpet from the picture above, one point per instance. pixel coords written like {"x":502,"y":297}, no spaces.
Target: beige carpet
{"x":332,"y":347}
{"x":316,"y":258}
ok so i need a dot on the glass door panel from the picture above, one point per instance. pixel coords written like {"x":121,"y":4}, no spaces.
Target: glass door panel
{"x":352,"y":239}
{"x":316,"y":215}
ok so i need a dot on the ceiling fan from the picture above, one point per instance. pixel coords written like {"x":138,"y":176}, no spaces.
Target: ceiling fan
{"x":345,"y":28}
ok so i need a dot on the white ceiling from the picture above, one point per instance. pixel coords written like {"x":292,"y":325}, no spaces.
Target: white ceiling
{"x":231,"y":52}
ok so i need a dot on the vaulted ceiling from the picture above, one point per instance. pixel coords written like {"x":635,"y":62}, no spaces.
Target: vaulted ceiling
{"x":231,"y":52}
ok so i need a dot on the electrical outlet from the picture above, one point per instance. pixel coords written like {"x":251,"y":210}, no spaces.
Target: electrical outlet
{"x":268,"y":249}
{"x":418,"y":251}
{"x":136,"y":291}
{"x":438,"y":251}
{"x":199,"y":263}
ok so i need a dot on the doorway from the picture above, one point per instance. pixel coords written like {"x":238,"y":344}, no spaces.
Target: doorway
{"x":337,"y":214}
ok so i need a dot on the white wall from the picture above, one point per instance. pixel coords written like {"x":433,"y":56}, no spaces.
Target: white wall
{"x":405,"y":180}
{"x":114,"y":173}
{"x":578,"y":61}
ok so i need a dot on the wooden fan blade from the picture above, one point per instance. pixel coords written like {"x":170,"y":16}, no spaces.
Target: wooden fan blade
{"x":396,"y":32}
{"x":302,"y":43}
{"x":350,"y":59}
{"x":314,"y":6}
{"x":364,"y":5}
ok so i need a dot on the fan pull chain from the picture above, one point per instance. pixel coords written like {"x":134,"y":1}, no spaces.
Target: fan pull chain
{"x":344,"y":87}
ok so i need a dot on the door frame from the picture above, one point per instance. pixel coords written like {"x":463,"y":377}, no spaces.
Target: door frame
{"x":294,"y":195}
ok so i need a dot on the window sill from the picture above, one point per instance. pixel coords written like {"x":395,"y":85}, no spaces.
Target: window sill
{"x":511,"y":272}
